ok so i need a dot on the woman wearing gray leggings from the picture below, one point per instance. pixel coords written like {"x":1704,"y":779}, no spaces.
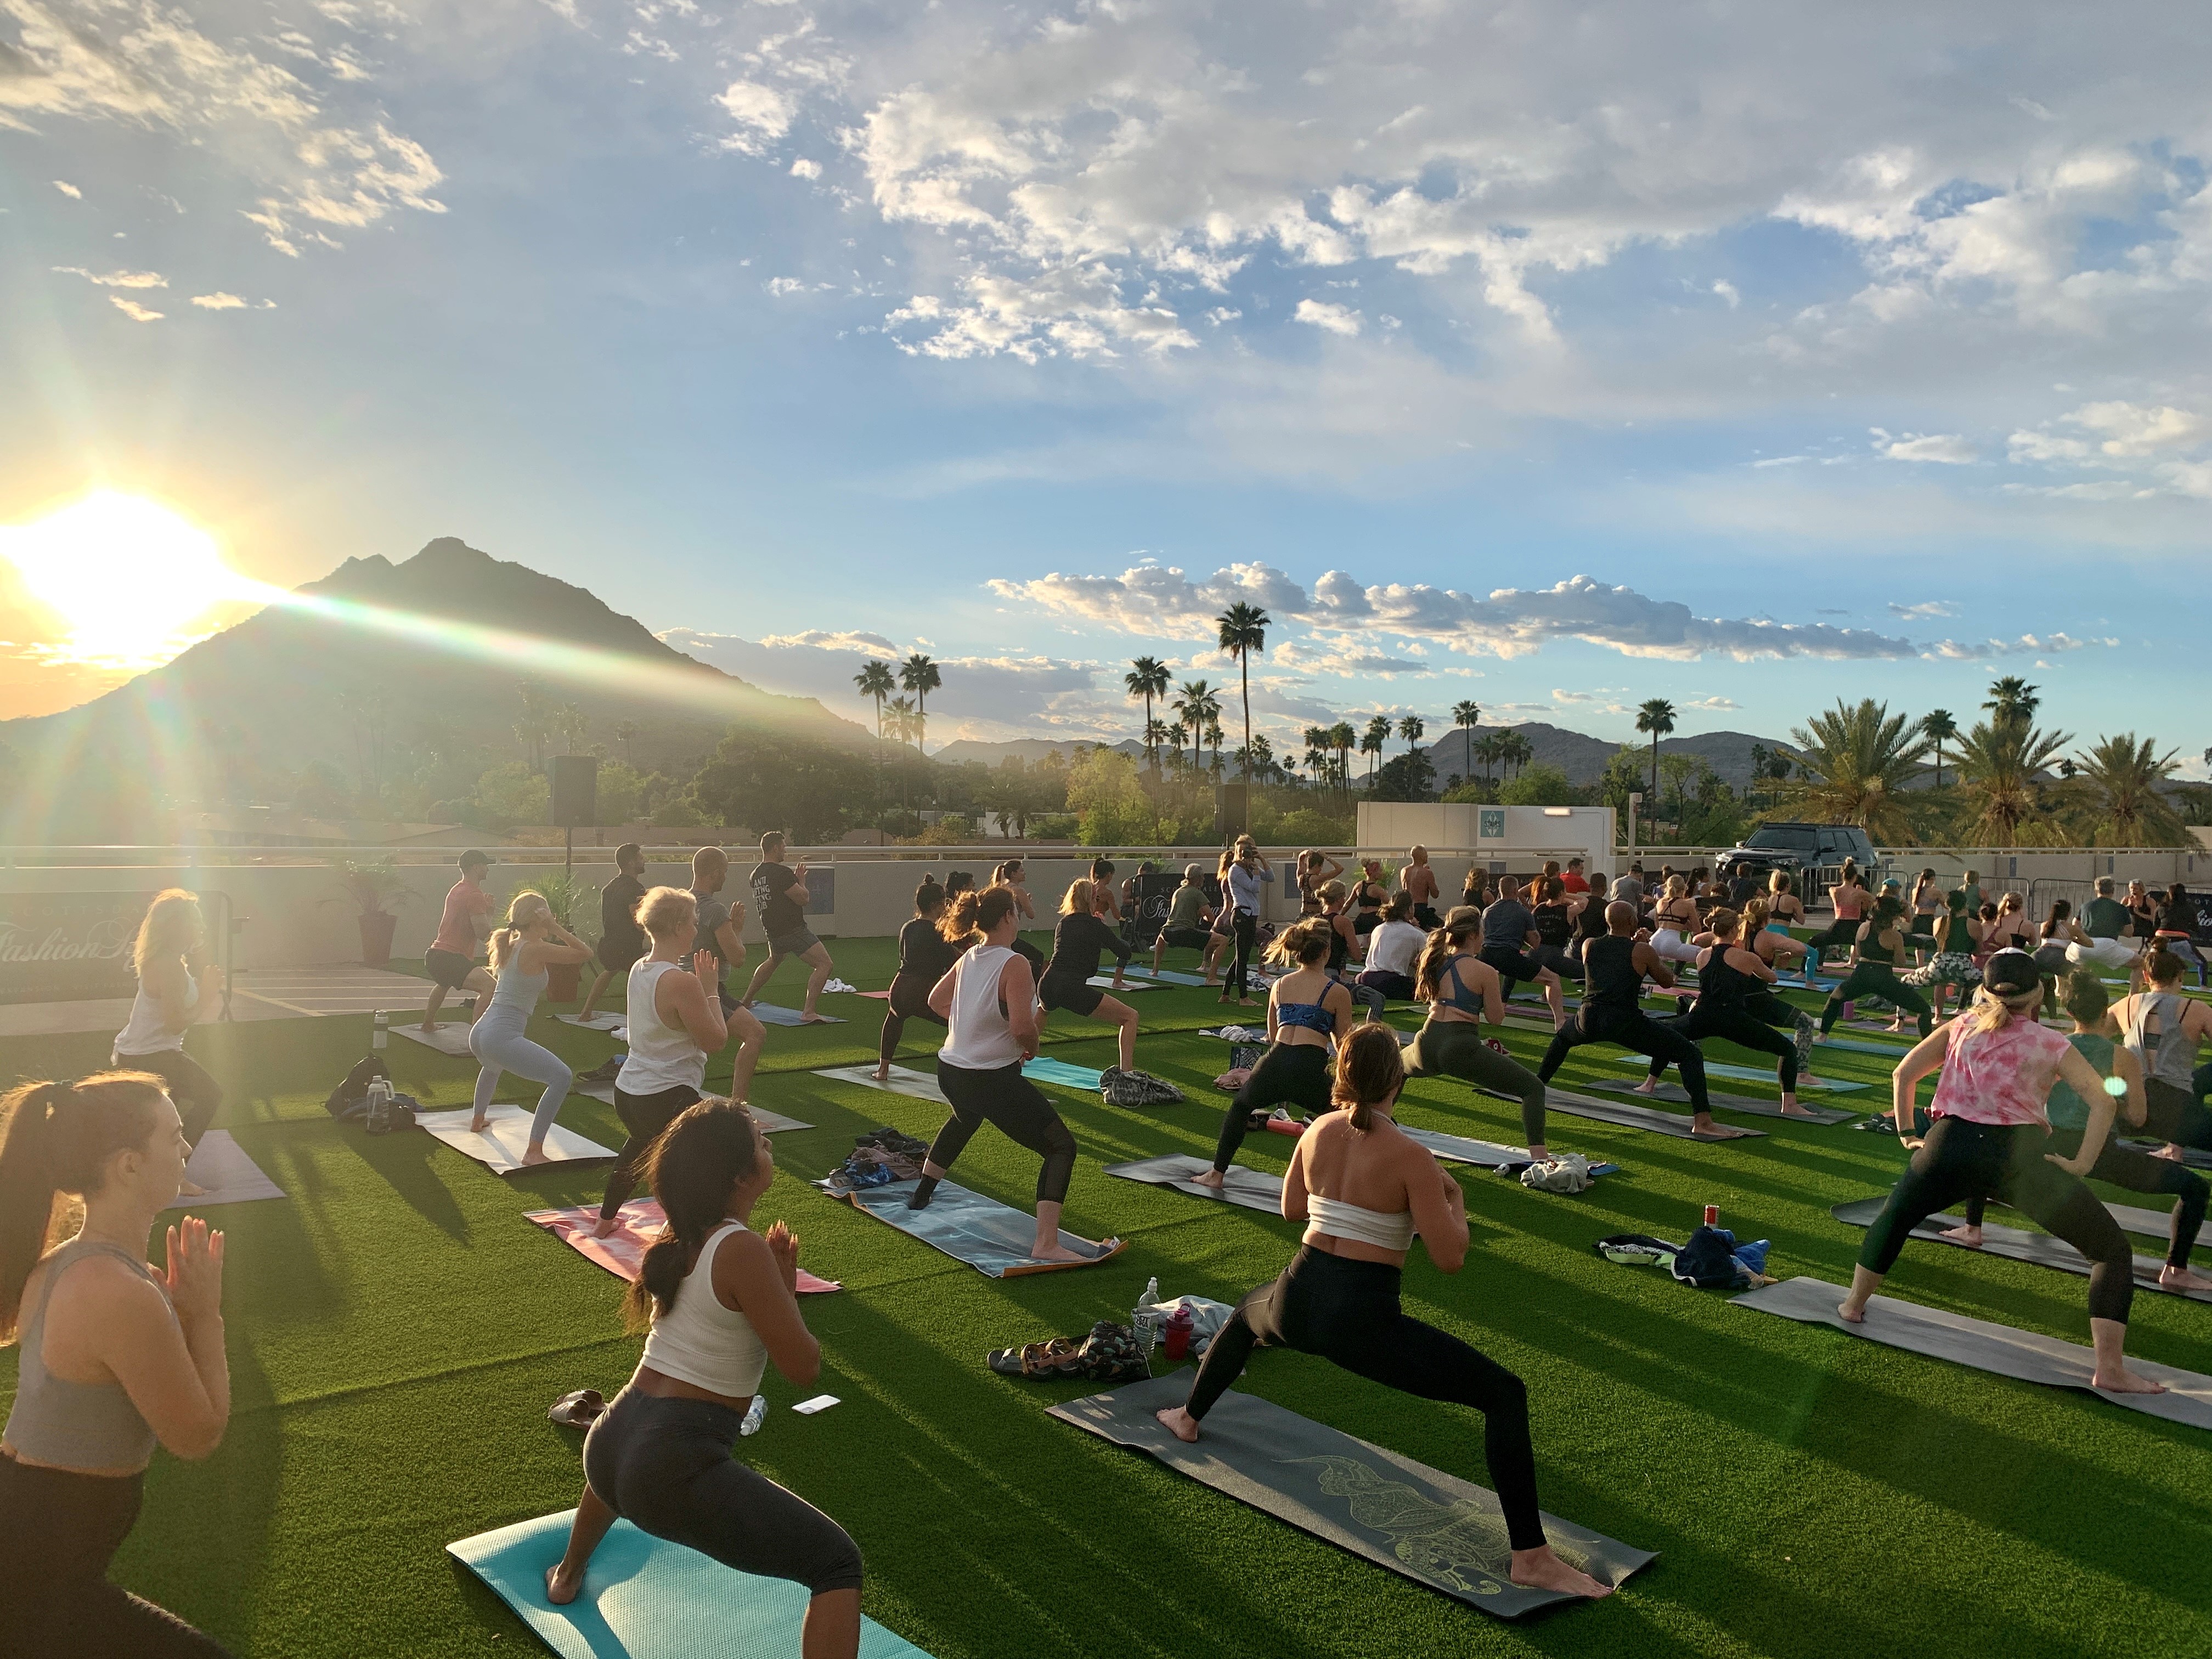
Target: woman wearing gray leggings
{"x":1463,"y":991}
{"x":522,"y":952}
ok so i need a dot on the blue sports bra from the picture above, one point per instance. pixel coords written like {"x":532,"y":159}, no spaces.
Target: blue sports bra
{"x":1462,"y":999}
{"x":1311,"y":1016}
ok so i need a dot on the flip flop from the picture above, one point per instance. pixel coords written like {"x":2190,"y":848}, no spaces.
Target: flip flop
{"x":579,"y":1410}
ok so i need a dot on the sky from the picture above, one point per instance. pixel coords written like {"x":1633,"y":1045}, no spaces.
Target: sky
{"x":1549,"y":356}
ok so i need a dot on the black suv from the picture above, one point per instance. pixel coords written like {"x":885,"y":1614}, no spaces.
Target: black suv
{"x":1802,"y":848}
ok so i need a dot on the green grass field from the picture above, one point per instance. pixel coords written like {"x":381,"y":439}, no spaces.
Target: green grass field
{"x":397,"y":1332}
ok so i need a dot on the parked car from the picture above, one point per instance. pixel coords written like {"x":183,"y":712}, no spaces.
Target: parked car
{"x":1804,"y":850}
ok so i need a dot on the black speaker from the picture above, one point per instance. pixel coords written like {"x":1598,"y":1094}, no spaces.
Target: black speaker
{"x":575,"y":791}
{"x":1232,"y":810}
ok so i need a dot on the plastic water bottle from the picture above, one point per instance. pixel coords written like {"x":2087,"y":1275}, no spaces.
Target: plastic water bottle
{"x":377,"y":1120}
{"x":756,"y":1414}
{"x":1144,"y":1322}
{"x":381,"y":1034}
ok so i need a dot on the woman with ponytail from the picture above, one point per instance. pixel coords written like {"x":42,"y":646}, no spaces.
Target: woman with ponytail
{"x":1365,"y":1189}
{"x":116,"y":1358}
{"x":1464,"y":993}
{"x":924,"y":957}
{"x":522,"y":952}
{"x":1309,"y":1011}
{"x":179,"y":985}
{"x":2163,"y":1031}
{"x":1989,"y":1135}
{"x":988,"y":1002}
{"x":717,"y":1303}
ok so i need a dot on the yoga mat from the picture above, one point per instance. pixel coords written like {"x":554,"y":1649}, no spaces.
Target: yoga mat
{"x":506,"y":1134}
{"x":1105,"y":982}
{"x":637,"y":1224}
{"x":1853,"y":1046}
{"x":1169,"y":976}
{"x":220,"y":1164}
{"x":768,"y":1013}
{"x":1435,"y":1528}
{"x":1676,"y":1092}
{"x":1045,"y":1069}
{"x":2014,"y":1244}
{"x":1986,"y":1346}
{"x":642,"y":1597}
{"x":1742,"y":1074}
{"x":879,"y":996}
{"x":775,"y":1122}
{"x":1459,"y":1149}
{"x":451,"y":1038}
{"x":2195,"y":1157}
{"x":600,"y":1022}
{"x":904,"y":1081}
{"x":990,"y":1237}
{"x":1247,"y":1189}
{"x":1639,"y":1117}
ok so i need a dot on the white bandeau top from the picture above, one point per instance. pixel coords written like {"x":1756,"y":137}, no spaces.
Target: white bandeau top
{"x":1341,"y":1220}
{"x":702,"y":1342}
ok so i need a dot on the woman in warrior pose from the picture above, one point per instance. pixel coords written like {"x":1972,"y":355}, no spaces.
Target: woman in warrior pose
{"x":531,"y":942}
{"x":1874,"y":968}
{"x":1728,"y":973}
{"x":925,"y":957}
{"x":1365,"y":1190}
{"x":1463,"y":991}
{"x":1081,"y":937}
{"x":2162,"y":1030}
{"x":1308,"y":1011}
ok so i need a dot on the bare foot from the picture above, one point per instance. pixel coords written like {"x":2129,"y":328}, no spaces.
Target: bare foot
{"x":605,"y":1227}
{"x":535,"y":1155}
{"x":1970,"y":1237}
{"x":882,"y":1073}
{"x":2170,"y":1150}
{"x":1791,"y":1109}
{"x":479,"y":1124}
{"x":1649,"y":1087}
{"x":1806,"y":1080}
{"x":429,"y":1025}
{"x":816,"y":1019}
{"x":1851,"y":1315}
{"x":2125,"y":1382}
{"x":561,"y":1591}
{"x":1058,"y":1252}
{"x":2180,"y":1279}
{"x":1539,"y":1569}
{"x":1208,"y":1178}
{"x":1179,"y":1423}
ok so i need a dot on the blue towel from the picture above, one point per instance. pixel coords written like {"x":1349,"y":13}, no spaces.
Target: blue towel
{"x":643,"y":1596}
{"x":1045,"y":1069}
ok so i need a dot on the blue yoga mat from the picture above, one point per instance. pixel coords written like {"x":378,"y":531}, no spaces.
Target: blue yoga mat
{"x":1856,"y":1045}
{"x":768,"y":1013}
{"x":1747,"y":1073}
{"x":1045,"y":1069}
{"x":644,"y":1597}
{"x":993,"y":1238}
{"x":1170,"y":977}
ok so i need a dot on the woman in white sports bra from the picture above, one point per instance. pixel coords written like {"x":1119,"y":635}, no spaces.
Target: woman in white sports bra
{"x":1675,"y":919}
{"x":179,"y":985}
{"x":1365,"y":1189}
{"x":719,"y":1304}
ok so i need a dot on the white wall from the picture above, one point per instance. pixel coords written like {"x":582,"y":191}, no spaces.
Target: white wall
{"x":1520,"y":837}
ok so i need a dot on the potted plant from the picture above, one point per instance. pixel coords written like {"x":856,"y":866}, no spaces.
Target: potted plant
{"x":372,"y":884}
{"x":565,"y":894}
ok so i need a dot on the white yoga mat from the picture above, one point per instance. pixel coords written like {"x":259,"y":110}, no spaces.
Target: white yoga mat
{"x":451,"y":1038}
{"x":505,"y":1136}
{"x":904,"y":1081}
{"x":769,"y":1013}
{"x":220,"y":1164}
{"x":599,"y":1022}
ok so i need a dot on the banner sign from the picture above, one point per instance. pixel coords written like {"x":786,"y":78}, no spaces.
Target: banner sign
{"x":68,"y":947}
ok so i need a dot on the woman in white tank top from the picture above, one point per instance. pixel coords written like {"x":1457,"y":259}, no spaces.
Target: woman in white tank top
{"x":988,"y":1002}
{"x":719,"y":1302}
{"x":178,"y":987}
{"x":675,"y":1020}
{"x":1364,"y":1190}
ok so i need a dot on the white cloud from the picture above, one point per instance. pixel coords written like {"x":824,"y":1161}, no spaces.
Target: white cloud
{"x":1321,"y":313}
{"x":69,"y":190}
{"x":1926,"y":608}
{"x":218,"y":300}
{"x":802,"y":168}
{"x":2148,"y":443}
{"x":762,"y":114}
{"x":133,"y":310}
{"x":2026,"y":644}
{"x":1948,"y":448}
{"x":1727,"y":290}
{"x":132,"y":279}
{"x":1716,"y":705}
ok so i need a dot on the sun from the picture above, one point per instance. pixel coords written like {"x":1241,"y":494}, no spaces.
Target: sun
{"x":128,"y":575}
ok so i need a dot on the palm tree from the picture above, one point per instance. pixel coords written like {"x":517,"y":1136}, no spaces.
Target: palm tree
{"x":1341,"y":738}
{"x":900,"y":722}
{"x":874,"y":680}
{"x":1372,"y":740}
{"x":626,"y":734}
{"x":1243,"y":629}
{"x":1938,"y":727}
{"x":1999,"y":763}
{"x":919,"y":675}
{"x":2012,"y":698}
{"x":1656,"y":716}
{"x":1156,"y":733}
{"x":1858,"y":759}
{"x":1517,"y":750}
{"x":1410,"y":728}
{"x":1175,"y":736}
{"x":1467,"y":716}
{"x":1213,"y":742}
{"x":1148,"y":678}
{"x":2131,"y":811}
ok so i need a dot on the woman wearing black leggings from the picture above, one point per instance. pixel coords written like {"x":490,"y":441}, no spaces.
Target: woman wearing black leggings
{"x":988,"y":1002}
{"x":1988,"y":1135}
{"x":1308,"y":1011}
{"x":925,"y":957}
{"x":1874,"y":968}
{"x":1365,"y":1189}
{"x":1728,"y":975}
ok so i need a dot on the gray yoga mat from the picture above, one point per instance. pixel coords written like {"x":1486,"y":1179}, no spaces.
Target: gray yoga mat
{"x":1856,"y":1045}
{"x":1460,"y":1149}
{"x":903,"y":1081}
{"x":1999,"y":1349}
{"x":1741,"y":1073}
{"x":1640,"y":1117}
{"x":1677,"y":1093}
{"x":1435,"y":1528}
{"x":992,"y":1238}
{"x":1247,"y":1189}
{"x":450,"y":1038}
{"x":2195,"y":1157}
{"x":2014,"y":1244}
{"x":769,"y":1013}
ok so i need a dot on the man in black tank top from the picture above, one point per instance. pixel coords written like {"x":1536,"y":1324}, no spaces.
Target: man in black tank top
{"x":1615,"y":968}
{"x":1729,"y":974}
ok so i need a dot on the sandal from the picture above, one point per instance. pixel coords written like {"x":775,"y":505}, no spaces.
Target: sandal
{"x":579,"y":1410}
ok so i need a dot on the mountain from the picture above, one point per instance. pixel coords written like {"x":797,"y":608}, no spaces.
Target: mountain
{"x":1583,"y":758}
{"x":960,"y":751}
{"x":430,"y":652}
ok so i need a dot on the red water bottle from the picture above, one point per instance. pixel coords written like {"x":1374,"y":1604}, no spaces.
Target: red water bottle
{"x":1178,"y":1332}
{"x":1712,"y":1215}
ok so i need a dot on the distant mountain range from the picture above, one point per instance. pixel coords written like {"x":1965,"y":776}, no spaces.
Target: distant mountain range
{"x":1583,"y":758}
{"x":960,"y":751}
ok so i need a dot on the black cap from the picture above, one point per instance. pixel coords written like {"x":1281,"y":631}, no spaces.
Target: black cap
{"x":2011,"y":974}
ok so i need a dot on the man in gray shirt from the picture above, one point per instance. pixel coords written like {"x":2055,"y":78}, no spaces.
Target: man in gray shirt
{"x":1629,"y":887}
{"x":1507,"y":930}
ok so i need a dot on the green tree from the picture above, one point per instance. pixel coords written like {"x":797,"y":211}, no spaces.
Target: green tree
{"x":1409,"y":776}
{"x":1656,"y":716}
{"x":1466,"y":715}
{"x":2004,"y":800}
{"x":1148,"y":678}
{"x":1857,"y":759}
{"x":1410,"y":728}
{"x":1341,"y":738}
{"x":1112,"y":807}
{"x":621,"y":793}
{"x":2132,"y":809}
{"x":1240,"y":630}
{"x":919,"y":675}
{"x":1372,"y":739}
{"x":1542,"y":785}
{"x":774,"y":779}
{"x":2012,"y":699}
{"x":514,"y":793}
{"x":1938,"y":727}
{"x":1198,"y":706}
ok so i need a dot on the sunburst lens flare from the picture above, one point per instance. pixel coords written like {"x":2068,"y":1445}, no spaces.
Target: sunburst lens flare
{"x":129,"y":576}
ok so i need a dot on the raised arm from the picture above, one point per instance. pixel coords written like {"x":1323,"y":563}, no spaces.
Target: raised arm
{"x":756,"y":1276}
{"x":171,"y":1364}
{"x":1019,"y":992}
{"x":694,"y":1001}
{"x":1923,"y":1057}
{"x":1749,"y":962}
{"x":1439,"y":1208}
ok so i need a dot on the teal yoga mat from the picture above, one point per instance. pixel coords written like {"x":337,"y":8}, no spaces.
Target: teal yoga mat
{"x":1857,"y":1046}
{"x":1045,"y":1069}
{"x":643,"y":1596}
{"x":993,"y":1238}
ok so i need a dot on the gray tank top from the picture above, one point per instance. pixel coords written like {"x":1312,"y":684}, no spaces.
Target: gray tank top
{"x":74,"y":1426}
{"x":2169,"y":1054}
{"x":517,"y":992}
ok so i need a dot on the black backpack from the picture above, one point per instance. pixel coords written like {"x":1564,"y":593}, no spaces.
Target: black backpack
{"x":349,"y":1101}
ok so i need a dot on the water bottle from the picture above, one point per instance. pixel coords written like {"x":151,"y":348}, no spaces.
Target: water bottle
{"x":756,"y":1414}
{"x":1178,"y":1332}
{"x":381,"y":1033}
{"x":379,"y":1121}
{"x":1712,"y":1215}
{"x":1144,"y":1322}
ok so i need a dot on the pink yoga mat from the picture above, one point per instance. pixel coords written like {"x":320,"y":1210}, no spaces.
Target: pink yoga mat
{"x":639,"y":1223}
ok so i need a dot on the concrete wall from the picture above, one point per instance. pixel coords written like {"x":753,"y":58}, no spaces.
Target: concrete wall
{"x":1517,"y":839}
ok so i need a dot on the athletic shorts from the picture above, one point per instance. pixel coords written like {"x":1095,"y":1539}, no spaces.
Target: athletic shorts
{"x":792,"y":945}
{"x":1191,"y":939}
{"x":1511,"y":963}
{"x":619,"y":956}
{"x":449,"y":968}
{"x":1076,"y":995}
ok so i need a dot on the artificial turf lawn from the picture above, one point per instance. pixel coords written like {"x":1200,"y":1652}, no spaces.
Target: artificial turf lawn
{"x":396,"y":1330}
